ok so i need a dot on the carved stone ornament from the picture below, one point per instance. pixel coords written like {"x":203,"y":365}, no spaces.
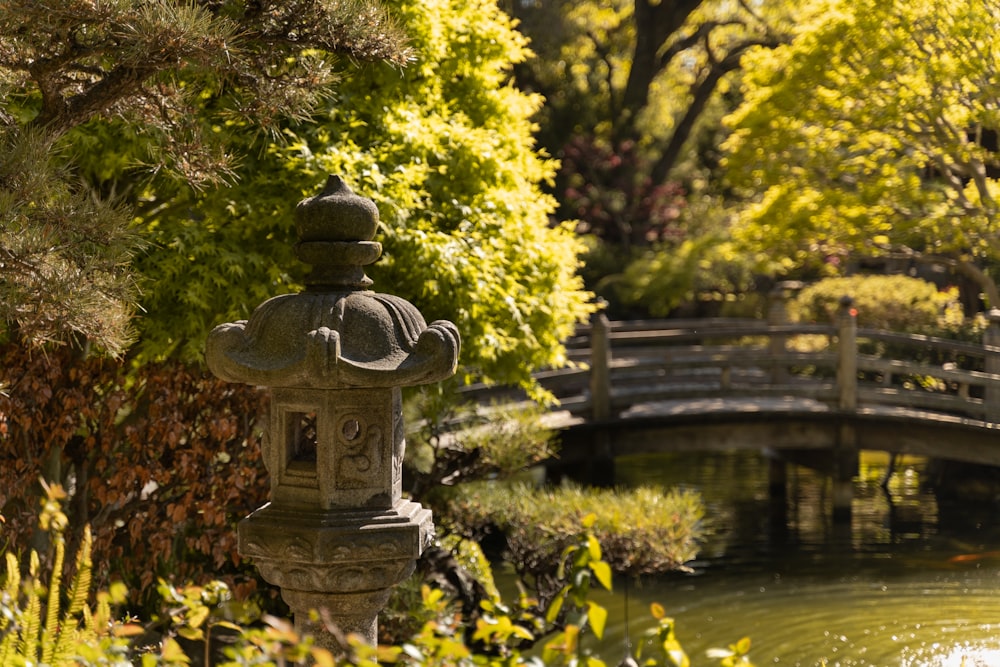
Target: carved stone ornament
{"x":337,"y":333}
{"x":337,"y":534}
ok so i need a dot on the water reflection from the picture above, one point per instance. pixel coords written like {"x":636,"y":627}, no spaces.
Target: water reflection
{"x":905,"y":584}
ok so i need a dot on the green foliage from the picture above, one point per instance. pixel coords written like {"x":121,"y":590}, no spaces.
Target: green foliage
{"x":449,"y":443}
{"x":170,"y":74}
{"x":445,"y":149}
{"x":893,"y":303}
{"x":644,"y":531}
{"x":663,"y":277}
{"x":872,"y":133}
{"x":700,"y":271}
{"x":64,"y":255}
{"x":44,"y":621}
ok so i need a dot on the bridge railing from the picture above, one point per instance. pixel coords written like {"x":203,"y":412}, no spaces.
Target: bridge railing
{"x":617,"y":365}
{"x":839,"y":365}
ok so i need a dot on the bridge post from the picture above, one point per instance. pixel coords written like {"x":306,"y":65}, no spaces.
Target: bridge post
{"x":600,"y":367}
{"x":777,"y":315}
{"x":845,"y":454}
{"x":600,"y":465}
{"x":991,"y":345}
{"x":847,"y":355}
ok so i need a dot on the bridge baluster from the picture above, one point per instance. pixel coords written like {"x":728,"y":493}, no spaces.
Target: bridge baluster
{"x":600,"y":367}
{"x":991,"y":353}
{"x":847,"y":351}
{"x":777,"y":315}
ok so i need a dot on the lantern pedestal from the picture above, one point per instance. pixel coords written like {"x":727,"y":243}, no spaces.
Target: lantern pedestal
{"x":340,"y":563}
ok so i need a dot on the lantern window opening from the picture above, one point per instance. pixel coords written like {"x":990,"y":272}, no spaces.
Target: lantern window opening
{"x":302,"y":436}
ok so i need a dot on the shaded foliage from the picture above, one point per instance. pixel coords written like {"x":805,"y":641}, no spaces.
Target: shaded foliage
{"x":611,"y":196}
{"x":160,"y":463}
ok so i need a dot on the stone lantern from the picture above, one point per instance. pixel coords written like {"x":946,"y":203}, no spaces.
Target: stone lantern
{"x":337,"y":533}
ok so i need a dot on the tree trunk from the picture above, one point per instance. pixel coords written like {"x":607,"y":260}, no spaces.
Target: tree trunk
{"x":655,"y":23}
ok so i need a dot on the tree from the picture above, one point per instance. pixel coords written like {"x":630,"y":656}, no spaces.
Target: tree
{"x":639,"y":70}
{"x":636,"y":91}
{"x":64,"y":249}
{"x":874,"y":134}
{"x":445,"y":149}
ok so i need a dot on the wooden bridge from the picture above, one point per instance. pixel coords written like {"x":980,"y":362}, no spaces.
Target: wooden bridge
{"x":806,"y":393}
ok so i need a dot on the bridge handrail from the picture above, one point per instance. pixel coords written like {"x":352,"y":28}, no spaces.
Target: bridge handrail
{"x":756,"y":355}
{"x":621,"y":363}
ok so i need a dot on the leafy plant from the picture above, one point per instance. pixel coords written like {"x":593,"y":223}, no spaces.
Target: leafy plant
{"x":42,"y":621}
{"x":641,"y":532}
{"x":892,"y":302}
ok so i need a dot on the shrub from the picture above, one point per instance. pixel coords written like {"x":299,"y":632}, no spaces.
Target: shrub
{"x":648,"y":530}
{"x":895,"y":303}
{"x":161,"y":462}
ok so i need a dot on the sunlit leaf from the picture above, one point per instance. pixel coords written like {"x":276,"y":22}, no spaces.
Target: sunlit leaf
{"x":170,"y":650}
{"x":598,"y":618}
{"x":602,"y":571}
{"x":322,"y":657}
{"x":555,"y":607}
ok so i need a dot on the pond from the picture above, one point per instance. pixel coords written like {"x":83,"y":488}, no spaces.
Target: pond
{"x":907,"y":582}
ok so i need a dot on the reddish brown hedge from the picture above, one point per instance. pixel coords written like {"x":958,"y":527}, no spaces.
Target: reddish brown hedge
{"x":162,"y":461}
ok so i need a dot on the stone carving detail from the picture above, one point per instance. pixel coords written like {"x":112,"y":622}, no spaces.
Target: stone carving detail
{"x":360,"y":465}
{"x":337,"y":532}
{"x":340,"y":579}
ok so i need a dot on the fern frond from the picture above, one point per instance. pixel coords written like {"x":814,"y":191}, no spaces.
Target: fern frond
{"x":8,"y":643}
{"x":9,"y":597}
{"x":50,"y":633}
{"x":77,"y":605}
{"x":11,"y":589}
{"x":32,"y":611}
{"x":80,"y":589}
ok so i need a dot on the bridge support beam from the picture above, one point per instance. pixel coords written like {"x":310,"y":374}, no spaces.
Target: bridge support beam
{"x":845,"y":469}
{"x":777,"y":476}
{"x":845,"y":453}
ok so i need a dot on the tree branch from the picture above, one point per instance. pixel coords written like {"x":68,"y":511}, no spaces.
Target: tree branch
{"x":701,"y":93}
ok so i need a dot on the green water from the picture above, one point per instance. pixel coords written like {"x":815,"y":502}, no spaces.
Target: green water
{"x":908,"y":583}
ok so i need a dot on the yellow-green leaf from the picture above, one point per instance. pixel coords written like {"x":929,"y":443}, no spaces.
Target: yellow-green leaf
{"x":598,"y":617}
{"x":555,"y":607}
{"x":602,"y":571}
{"x":322,"y":657}
{"x":171,"y":651}
{"x":593,"y":547}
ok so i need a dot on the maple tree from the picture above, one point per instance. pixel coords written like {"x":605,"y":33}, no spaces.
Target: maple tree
{"x":873,"y":134}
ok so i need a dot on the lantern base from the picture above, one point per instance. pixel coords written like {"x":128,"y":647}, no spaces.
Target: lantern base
{"x":333,"y":561}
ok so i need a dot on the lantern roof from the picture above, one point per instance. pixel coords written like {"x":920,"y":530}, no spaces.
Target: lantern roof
{"x":338,"y":333}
